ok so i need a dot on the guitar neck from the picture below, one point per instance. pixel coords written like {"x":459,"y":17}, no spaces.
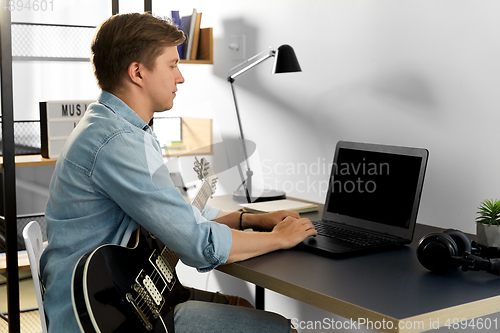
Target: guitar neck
{"x":201,"y":198}
{"x":199,"y":202}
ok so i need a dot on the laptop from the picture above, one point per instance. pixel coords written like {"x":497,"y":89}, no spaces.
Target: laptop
{"x":372,"y":201}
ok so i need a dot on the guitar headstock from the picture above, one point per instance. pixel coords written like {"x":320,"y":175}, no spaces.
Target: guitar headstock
{"x":202,"y":169}
{"x":213,"y":185}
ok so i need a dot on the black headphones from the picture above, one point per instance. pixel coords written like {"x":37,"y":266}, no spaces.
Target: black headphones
{"x":441,"y":251}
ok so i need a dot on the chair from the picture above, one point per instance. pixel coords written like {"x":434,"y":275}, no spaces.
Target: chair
{"x":32,"y":235}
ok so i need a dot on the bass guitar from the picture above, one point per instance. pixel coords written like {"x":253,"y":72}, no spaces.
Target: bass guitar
{"x":133,"y":289}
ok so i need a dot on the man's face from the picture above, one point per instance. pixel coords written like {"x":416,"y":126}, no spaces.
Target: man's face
{"x":161,"y":82}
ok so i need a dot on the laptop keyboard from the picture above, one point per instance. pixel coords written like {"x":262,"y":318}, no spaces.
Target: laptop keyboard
{"x":349,"y":236}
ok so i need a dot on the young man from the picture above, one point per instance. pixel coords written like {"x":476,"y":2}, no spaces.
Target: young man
{"x":103,"y":186}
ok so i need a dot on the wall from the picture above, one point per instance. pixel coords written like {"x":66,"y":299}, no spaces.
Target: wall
{"x":415,"y":73}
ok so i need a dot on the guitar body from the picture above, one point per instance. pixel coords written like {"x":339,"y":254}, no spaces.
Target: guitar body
{"x":119,"y":289}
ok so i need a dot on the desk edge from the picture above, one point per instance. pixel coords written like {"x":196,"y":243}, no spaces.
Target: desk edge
{"x":348,"y":310}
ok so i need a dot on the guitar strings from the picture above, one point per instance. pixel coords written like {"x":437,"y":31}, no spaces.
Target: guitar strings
{"x":142,"y":305}
{"x":142,"y":302}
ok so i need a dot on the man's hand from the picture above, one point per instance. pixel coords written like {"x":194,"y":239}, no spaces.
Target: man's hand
{"x":286,"y":234}
{"x":267,"y":221}
{"x":292,"y":231}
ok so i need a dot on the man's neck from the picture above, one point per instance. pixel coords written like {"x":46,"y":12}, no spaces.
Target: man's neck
{"x":136,"y":103}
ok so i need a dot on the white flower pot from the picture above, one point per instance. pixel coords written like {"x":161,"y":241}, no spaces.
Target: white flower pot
{"x":488,"y":234}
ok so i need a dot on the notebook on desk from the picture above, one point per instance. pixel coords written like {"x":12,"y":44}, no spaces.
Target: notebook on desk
{"x":372,"y":201}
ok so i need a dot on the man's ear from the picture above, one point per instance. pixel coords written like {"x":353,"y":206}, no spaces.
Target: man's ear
{"x":134,"y":73}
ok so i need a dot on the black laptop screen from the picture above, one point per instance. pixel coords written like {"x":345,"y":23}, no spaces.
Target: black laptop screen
{"x":374,"y":186}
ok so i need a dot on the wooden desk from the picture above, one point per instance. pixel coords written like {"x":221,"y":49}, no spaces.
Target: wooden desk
{"x":22,"y":258}
{"x":389,"y":287}
{"x":31,"y":160}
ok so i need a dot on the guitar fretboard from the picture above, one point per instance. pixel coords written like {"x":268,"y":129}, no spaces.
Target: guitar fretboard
{"x":202,"y":196}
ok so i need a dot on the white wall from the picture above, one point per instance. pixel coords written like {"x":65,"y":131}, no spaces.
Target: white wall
{"x":416,"y":73}
{"x":411,"y":72}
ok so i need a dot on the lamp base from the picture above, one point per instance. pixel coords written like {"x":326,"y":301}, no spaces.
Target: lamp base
{"x":266,"y":195}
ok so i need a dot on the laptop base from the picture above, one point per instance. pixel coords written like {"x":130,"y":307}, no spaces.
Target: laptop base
{"x":326,"y":247}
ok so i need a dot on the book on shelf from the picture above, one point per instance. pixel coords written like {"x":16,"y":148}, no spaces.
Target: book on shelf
{"x":196,"y":37}
{"x":177,"y":21}
{"x":275,"y":205}
{"x":185,"y":27}
{"x":174,"y":145}
{"x":191,"y":26}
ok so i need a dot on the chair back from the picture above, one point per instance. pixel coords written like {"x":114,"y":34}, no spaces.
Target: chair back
{"x":33,"y":240}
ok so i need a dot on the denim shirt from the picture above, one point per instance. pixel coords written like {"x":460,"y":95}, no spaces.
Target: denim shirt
{"x":109,"y":179}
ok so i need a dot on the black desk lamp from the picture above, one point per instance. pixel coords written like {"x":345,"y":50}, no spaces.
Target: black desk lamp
{"x":285,"y":61}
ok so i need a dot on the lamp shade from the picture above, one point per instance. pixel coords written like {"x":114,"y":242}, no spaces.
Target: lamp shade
{"x":285,"y":60}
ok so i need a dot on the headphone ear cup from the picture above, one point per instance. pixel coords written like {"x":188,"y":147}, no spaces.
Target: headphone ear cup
{"x":463,"y":243}
{"x":435,"y":252}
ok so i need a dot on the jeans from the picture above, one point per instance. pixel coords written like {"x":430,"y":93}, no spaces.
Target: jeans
{"x":206,"y":313}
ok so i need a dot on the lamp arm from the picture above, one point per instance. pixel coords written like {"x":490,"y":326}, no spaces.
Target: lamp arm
{"x":247,"y":184}
{"x":239,"y":126}
{"x":270,"y":54}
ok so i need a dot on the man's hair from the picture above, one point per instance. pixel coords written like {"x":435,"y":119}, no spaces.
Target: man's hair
{"x":123,"y":39}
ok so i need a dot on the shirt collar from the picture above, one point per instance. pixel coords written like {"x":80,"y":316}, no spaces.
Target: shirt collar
{"x":120,"y":108}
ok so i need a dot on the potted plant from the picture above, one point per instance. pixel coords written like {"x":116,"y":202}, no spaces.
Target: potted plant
{"x":488,"y":223}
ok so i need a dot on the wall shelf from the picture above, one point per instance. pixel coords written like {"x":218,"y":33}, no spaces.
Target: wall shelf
{"x":51,"y":42}
{"x":56,"y":42}
{"x":197,"y":139}
{"x":30,"y":160}
{"x":205,"y":49}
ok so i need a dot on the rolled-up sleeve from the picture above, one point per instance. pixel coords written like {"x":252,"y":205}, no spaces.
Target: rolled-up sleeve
{"x":157,"y":205}
{"x":218,"y":246}
{"x":217,"y":242}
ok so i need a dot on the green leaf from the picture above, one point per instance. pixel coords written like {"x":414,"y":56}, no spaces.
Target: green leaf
{"x":489,"y":212}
